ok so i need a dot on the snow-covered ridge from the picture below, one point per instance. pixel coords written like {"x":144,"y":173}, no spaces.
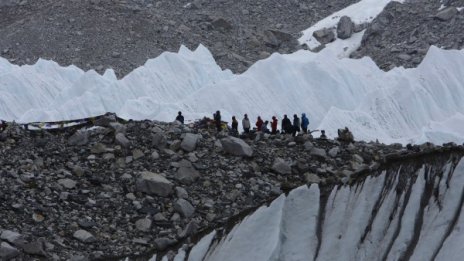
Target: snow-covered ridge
{"x":392,"y":216}
{"x":403,"y":105}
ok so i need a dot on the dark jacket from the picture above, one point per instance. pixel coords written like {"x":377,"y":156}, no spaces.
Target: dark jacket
{"x":296,"y":123}
{"x":180,"y":118}
{"x":286,"y":125}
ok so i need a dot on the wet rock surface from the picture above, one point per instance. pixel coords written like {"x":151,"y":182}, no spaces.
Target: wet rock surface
{"x":99,"y":199}
{"x":123,"y":34}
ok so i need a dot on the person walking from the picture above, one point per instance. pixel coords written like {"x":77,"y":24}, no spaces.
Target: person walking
{"x":304,"y":123}
{"x":286,"y":125}
{"x":274,"y":125}
{"x":259,"y":124}
{"x":180,"y":118}
{"x":217,"y":121}
{"x":246,"y":124}
{"x":296,"y":125}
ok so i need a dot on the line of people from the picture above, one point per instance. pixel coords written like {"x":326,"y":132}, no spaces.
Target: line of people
{"x":287,"y":127}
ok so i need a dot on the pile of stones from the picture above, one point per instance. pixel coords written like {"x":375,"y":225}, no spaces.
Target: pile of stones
{"x":119,"y":189}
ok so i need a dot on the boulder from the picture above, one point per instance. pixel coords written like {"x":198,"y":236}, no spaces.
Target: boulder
{"x":153,"y":184}
{"x":236,"y":146}
{"x":318,"y":152}
{"x":308,"y":146}
{"x":35,"y":248}
{"x":159,"y":141}
{"x":184,"y":208}
{"x":7,"y":251}
{"x":345,"y":27}
{"x":447,"y":13}
{"x":333,"y":152}
{"x":67,"y":183}
{"x":274,"y":38}
{"x":84,"y":236}
{"x":281,"y":166}
{"x":187,"y":175}
{"x":137,"y":154}
{"x":221,"y":24}
{"x":181,"y":193}
{"x":143,"y":224}
{"x":98,"y":148}
{"x":122,"y":140}
{"x":189,"y":143}
{"x":118,"y":127}
{"x":79,"y":138}
{"x":312,"y":178}
{"x":324,"y":36}
{"x":10,"y":236}
{"x":163,"y":243}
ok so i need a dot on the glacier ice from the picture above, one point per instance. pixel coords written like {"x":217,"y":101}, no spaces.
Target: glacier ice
{"x":403,"y":105}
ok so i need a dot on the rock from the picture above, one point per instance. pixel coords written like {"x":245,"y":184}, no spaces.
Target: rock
{"x":344,"y":27}
{"x":98,"y":148}
{"x":154,"y":184}
{"x":7,"y":251}
{"x":10,"y":236}
{"x":159,"y":141}
{"x":117,"y":127}
{"x":86,"y":223}
{"x":333,"y":152}
{"x":324,"y":36}
{"x":187,"y":175}
{"x":404,"y":57}
{"x":274,"y":38}
{"x":181,"y":193}
{"x":281,"y":166}
{"x":122,"y":140}
{"x":155,"y":155}
{"x":84,"y":236}
{"x":317,"y":152}
{"x":163,"y":243}
{"x":189,"y":230}
{"x":236,"y":146}
{"x":175,"y":145}
{"x":106,"y":119}
{"x":159,"y":217}
{"x":35,"y":248}
{"x":189,"y":143}
{"x":143,"y":224}
{"x":67,"y":183}
{"x":312,"y":178}
{"x":221,"y":24}
{"x":137,"y":154}
{"x":447,"y":13}
{"x":79,"y":138}
{"x":115,"y":54}
{"x":184,"y":208}
{"x":358,"y":158}
{"x":308,"y":146}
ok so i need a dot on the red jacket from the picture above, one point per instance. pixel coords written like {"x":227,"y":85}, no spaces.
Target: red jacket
{"x":259,"y":124}
{"x":274,"y":125}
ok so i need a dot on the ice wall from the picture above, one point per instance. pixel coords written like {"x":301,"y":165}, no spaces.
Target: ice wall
{"x":396,"y":215}
{"x":403,"y":105}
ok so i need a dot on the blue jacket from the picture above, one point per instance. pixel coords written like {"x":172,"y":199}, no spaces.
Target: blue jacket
{"x":304,"y":121}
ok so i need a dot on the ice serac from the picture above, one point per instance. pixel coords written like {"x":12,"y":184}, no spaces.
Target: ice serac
{"x":407,"y":212}
{"x":403,"y":105}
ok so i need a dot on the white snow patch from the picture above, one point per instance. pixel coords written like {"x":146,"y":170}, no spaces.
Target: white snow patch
{"x":363,"y":11}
